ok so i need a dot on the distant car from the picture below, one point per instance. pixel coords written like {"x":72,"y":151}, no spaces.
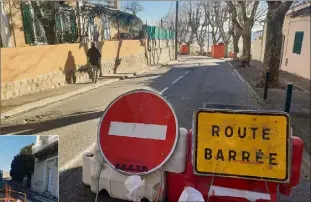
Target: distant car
{"x":122,"y":36}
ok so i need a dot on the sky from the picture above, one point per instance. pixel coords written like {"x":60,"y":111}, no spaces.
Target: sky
{"x":10,"y":146}
{"x":153,"y":10}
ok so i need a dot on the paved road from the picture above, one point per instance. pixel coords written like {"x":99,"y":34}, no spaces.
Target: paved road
{"x":187,"y":85}
{"x":30,"y":195}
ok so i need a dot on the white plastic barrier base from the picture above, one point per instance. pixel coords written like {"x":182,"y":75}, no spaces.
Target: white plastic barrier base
{"x":113,"y":181}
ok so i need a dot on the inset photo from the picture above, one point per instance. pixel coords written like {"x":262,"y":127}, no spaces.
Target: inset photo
{"x":29,"y":168}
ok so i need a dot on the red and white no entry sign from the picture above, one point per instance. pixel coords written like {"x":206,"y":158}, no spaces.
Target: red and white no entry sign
{"x":138,"y":132}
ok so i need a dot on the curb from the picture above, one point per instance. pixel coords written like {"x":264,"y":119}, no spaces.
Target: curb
{"x":259,"y":100}
{"x":47,"y":101}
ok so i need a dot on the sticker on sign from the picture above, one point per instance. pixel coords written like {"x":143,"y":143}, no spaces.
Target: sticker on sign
{"x":243,"y":144}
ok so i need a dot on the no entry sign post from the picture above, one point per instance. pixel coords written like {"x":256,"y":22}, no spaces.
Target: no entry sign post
{"x":138,"y":132}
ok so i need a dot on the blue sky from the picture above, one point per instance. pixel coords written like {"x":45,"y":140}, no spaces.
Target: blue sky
{"x":10,"y":146}
{"x":153,"y":10}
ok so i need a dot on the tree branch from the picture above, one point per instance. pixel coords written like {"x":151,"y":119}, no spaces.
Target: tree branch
{"x":255,"y":6}
{"x":243,"y":14}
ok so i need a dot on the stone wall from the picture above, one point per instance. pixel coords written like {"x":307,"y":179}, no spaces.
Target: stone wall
{"x":56,"y":79}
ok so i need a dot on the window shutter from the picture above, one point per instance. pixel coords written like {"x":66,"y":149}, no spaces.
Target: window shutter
{"x":298,"y":42}
{"x":27,"y":23}
{"x":73,"y":26}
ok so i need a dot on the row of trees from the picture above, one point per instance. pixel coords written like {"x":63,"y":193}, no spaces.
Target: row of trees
{"x":23,"y":164}
{"x":225,"y":20}
{"x":229,"y":21}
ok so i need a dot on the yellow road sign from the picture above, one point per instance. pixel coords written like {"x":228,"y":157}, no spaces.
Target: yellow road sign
{"x":244,"y":144}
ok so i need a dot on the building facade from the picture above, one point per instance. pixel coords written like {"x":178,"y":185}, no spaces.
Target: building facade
{"x":45,"y":177}
{"x":296,"y":41}
{"x":295,"y":53}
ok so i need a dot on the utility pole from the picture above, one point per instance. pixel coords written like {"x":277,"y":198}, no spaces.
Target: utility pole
{"x":209,"y":13}
{"x":161,"y":23}
{"x":176,"y":30}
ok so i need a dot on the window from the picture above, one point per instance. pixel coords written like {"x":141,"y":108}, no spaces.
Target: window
{"x":298,"y":42}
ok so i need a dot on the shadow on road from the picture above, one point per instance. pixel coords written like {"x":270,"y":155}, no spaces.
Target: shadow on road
{"x":38,"y":127}
{"x":157,"y":81}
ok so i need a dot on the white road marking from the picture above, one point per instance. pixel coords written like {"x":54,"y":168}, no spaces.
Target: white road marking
{"x":138,"y":130}
{"x":187,"y":72}
{"x":230,"y":64}
{"x":76,"y":159}
{"x":163,"y":90}
{"x":177,"y":79}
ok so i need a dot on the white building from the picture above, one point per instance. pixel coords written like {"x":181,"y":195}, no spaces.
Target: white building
{"x":45,"y":177}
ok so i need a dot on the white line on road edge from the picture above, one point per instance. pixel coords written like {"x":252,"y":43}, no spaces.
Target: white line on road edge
{"x":165,"y":89}
{"x":239,"y":75}
{"x":187,"y":72}
{"x":177,"y":79}
{"x":76,"y":159}
{"x":138,"y":130}
{"x":230,"y":64}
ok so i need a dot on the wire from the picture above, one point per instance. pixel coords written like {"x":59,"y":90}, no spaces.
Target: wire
{"x":212,"y":181}
{"x":99,"y":172}
{"x":161,"y":185}
{"x":267,"y":188}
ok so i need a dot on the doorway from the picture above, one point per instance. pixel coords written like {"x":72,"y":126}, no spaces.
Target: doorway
{"x":50,"y":180}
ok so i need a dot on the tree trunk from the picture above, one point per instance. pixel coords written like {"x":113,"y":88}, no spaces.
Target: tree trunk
{"x":246,"y":56}
{"x":226,"y":48}
{"x":201,"y":50}
{"x":236,"y":39}
{"x":50,"y":34}
{"x":214,"y":38}
{"x":273,"y":48}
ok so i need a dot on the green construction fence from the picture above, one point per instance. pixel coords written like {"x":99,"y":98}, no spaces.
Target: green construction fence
{"x":159,"y":33}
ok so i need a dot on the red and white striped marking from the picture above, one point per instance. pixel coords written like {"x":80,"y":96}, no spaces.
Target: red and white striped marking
{"x":250,"y":195}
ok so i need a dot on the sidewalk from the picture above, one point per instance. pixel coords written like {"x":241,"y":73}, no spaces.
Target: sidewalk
{"x":300,"y":105}
{"x":27,"y":102}
{"x":33,"y":195}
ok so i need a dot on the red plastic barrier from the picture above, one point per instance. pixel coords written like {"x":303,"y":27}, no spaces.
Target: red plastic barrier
{"x":184,"y":49}
{"x":218,"y":51}
{"x":232,"y":55}
{"x":297,"y":150}
{"x":176,"y":182}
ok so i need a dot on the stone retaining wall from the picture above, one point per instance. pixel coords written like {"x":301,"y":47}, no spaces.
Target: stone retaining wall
{"x":128,"y":64}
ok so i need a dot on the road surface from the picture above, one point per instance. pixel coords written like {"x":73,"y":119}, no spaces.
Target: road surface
{"x":186,"y":85}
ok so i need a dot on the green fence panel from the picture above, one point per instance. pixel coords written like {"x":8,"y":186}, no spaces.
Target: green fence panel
{"x":27,"y":23}
{"x":159,"y":33}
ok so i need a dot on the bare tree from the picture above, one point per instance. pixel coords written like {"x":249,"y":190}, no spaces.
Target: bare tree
{"x":133,"y":7}
{"x":198,"y":23}
{"x":212,"y":9}
{"x":275,"y":20}
{"x":224,"y":24}
{"x":243,"y":20}
{"x":185,"y":34}
{"x":236,"y":32}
